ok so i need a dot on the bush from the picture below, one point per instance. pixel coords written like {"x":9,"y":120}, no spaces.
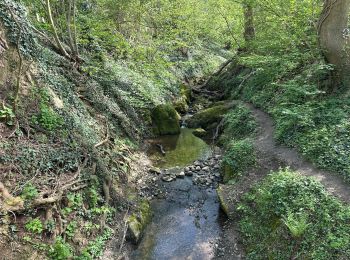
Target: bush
{"x":239,"y":123}
{"x":60,"y":250}
{"x":288,"y":215}
{"x":239,"y":157}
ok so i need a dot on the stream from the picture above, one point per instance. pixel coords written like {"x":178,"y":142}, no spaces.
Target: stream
{"x":187,"y":220}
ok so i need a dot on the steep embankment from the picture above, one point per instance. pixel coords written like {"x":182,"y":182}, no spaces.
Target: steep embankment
{"x":70,"y":167}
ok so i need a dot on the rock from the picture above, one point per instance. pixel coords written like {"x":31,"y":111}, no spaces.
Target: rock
{"x":209,"y":116}
{"x":189,"y":173}
{"x":197,"y":163}
{"x":206,"y":168}
{"x":168,"y":178}
{"x":181,"y":105}
{"x":187,"y":169}
{"x":138,"y":221}
{"x":165,"y":120}
{"x":199,"y":132}
{"x":155,"y":170}
{"x":180,"y":175}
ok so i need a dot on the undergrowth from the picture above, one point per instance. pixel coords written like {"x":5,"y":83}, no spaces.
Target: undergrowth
{"x":289,"y":216}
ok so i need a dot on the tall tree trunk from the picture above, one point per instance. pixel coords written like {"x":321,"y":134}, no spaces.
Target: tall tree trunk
{"x":334,"y":37}
{"x":57,"y":39}
{"x":249,"y":29}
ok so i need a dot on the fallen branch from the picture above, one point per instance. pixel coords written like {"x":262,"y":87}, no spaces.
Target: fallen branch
{"x":161,"y":148}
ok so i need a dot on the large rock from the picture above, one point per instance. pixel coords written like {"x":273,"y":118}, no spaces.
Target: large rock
{"x":209,"y":116}
{"x":165,"y":120}
{"x":200,"y":132}
{"x":181,"y":103}
{"x":138,"y":221}
{"x":226,"y":202}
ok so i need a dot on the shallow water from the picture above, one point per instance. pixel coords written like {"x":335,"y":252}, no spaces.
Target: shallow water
{"x":186,"y":224}
{"x":181,"y":150}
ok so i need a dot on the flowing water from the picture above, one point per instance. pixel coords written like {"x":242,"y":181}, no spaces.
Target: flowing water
{"x":186,"y":223}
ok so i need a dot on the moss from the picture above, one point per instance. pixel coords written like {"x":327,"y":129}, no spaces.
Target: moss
{"x":200,"y":132}
{"x":186,"y":91}
{"x":181,"y":105}
{"x":138,"y":221}
{"x":209,"y":116}
{"x":165,"y":120}
{"x":222,"y":200}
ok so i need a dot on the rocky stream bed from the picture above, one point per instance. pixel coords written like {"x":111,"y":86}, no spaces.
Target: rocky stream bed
{"x":187,"y":221}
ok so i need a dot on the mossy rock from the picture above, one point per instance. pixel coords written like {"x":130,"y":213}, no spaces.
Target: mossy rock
{"x":200,"y":132}
{"x":165,"y":120}
{"x":138,"y":221}
{"x":181,"y":105}
{"x":186,"y":91}
{"x":225,"y":192}
{"x":208,"y":116}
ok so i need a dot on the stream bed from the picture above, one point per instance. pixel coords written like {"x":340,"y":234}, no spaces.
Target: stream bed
{"x":187,"y":220}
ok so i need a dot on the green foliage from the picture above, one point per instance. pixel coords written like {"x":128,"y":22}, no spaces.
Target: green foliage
{"x":239,"y":157}
{"x":296,"y":223}
{"x":239,"y":123}
{"x":7,"y":115}
{"x":60,"y":250}
{"x":71,"y":228}
{"x":95,"y":248}
{"x":47,"y":117}
{"x":29,"y":192}
{"x":35,"y":226}
{"x":290,"y":215}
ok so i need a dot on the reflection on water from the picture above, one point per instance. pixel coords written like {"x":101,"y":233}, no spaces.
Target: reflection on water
{"x":181,"y":150}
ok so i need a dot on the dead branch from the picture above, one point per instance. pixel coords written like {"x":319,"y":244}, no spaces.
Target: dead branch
{"x":161,"y":148}
{"x":104,"y":140}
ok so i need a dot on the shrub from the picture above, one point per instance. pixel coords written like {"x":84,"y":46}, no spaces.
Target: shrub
{"x":288,"y":215}
{"x":239,"y":157}
{"x":35,"y":226}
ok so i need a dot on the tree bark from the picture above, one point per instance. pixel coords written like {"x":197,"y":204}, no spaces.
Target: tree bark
{"x":249,"y":29}
{"x":334,"y":37}
{"x":57,"y":39}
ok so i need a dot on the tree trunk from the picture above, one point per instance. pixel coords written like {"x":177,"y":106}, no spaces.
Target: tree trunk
{"x":334,"y":36}
{"x":249,"y":29}
{"x":57,"y":39}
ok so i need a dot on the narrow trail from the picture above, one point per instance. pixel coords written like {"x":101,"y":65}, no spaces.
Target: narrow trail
{"x":266,"y":145}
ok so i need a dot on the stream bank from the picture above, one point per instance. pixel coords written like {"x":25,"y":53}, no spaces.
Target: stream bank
{"x":187,"y":220}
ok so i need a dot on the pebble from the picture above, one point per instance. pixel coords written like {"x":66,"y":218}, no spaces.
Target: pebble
{"x":180,"y":175}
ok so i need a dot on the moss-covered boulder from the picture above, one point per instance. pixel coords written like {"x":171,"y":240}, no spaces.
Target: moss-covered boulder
{"x":208,"y":116}
{"x":225,"y":192}
{"x":200,"y":132}
{"x":181,"y":105}
{"x":138,"y":221}
{"x":185,"y":90}
{"x":165,"y":120}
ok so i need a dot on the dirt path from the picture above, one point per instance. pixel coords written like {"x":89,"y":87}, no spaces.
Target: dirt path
{"x":266,"y":145}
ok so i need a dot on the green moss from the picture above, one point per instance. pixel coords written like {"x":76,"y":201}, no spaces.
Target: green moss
{"x":186,"y":91}
{"x":181,"y":105}
{"x":138,"y":221}
{"x":222,"y":200}
{"x":200,"y":132}
{"x":165,"y":120}
{"x":209,"y":116}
